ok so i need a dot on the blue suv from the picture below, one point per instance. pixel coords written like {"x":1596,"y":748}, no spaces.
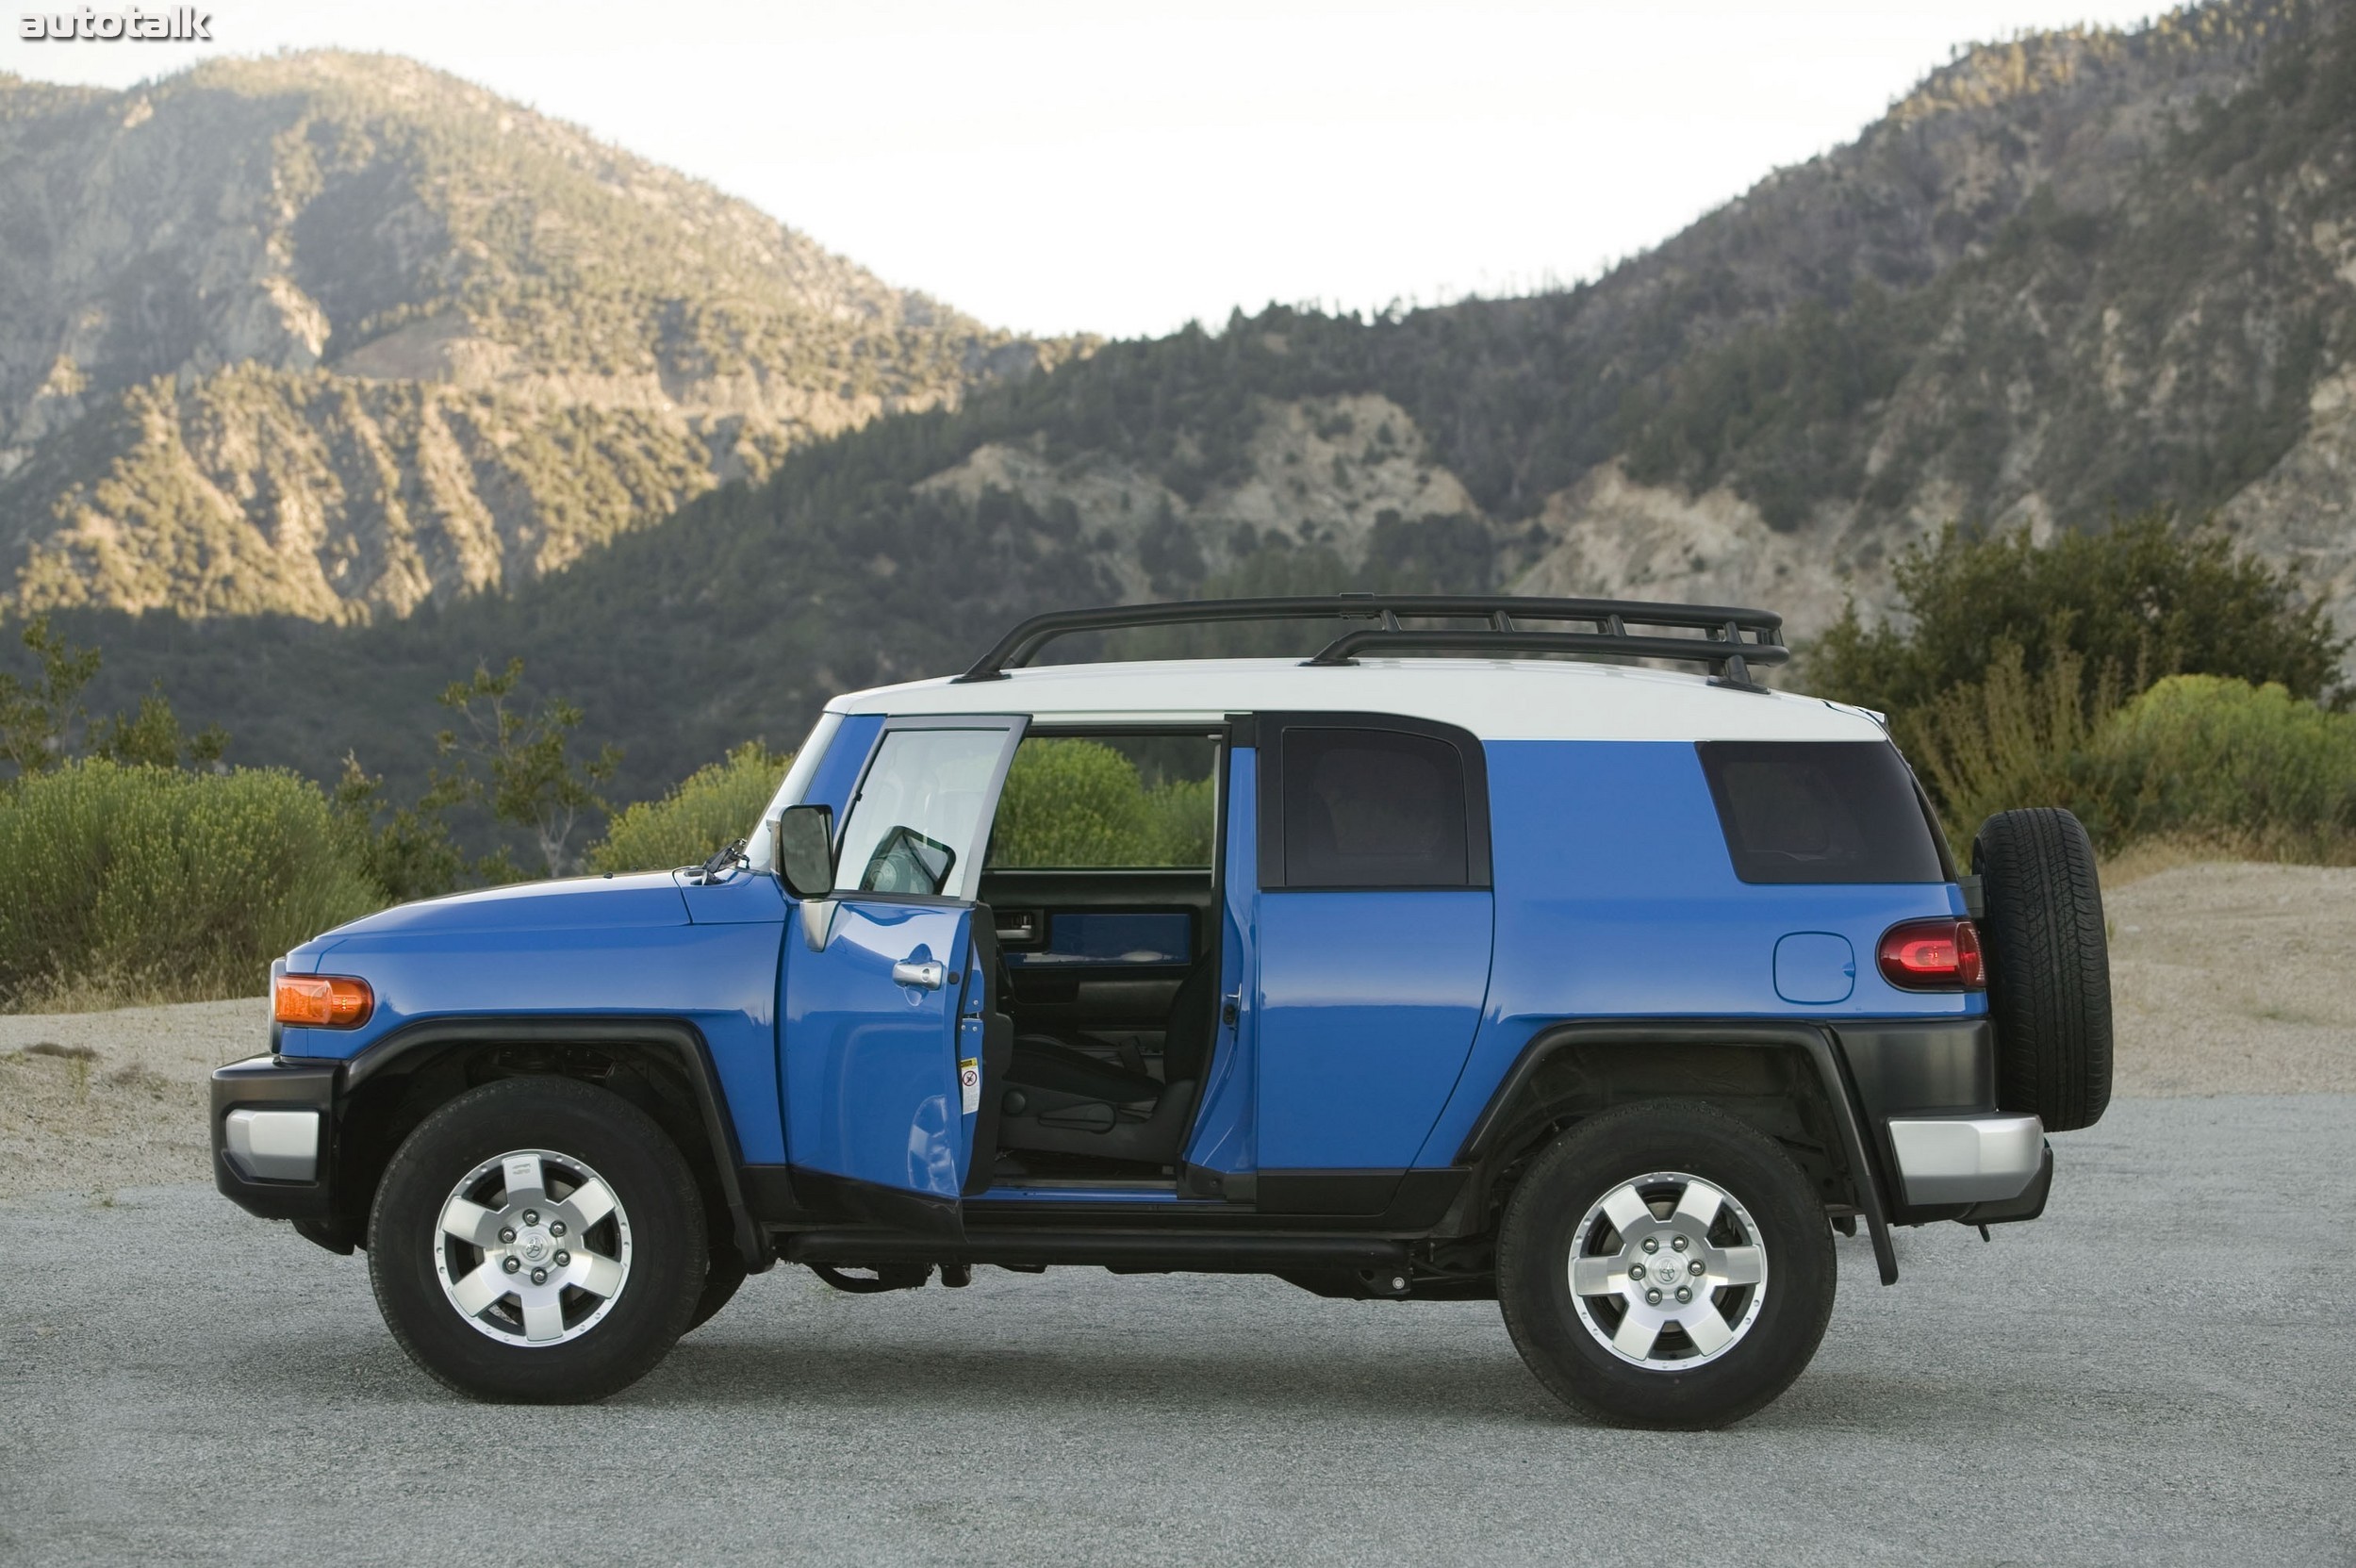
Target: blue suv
{"x":1470,"y":958}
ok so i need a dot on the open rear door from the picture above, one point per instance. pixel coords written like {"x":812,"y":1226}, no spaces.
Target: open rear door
{"x":875,"y":1110}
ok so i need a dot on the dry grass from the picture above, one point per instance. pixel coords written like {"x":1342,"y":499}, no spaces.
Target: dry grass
{"x":107,"y":990}
{"x":92,"y":1102}
{"x":2149,"y":857}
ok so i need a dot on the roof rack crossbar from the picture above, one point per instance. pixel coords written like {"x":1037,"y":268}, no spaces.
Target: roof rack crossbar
{"x":1723,"y":627}
{"x":1730,"y":662}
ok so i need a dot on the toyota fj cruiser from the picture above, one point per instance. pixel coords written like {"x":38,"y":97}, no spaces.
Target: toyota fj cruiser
{"x":1467,"y":959}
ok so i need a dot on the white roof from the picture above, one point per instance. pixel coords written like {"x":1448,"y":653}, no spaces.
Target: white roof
{"x":1495,"y":698}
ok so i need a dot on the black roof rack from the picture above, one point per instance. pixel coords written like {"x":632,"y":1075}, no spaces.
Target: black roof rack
{"x":1732,"y":638}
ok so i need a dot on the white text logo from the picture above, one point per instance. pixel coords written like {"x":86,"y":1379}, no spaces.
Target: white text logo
{"x":182,"y":24}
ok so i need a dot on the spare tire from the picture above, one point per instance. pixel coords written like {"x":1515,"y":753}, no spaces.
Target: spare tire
{"x":2048,"y":966}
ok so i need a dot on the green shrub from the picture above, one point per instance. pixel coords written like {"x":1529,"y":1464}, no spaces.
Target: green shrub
{"x":1078,"y":803}
{"x":2012,"y":739}
{"x":2138,"y":600}
{"x":1179,"y":821}
{"x":2203,"y":755}
{"x":715,"y":805}
{"x":2249,"y":768}
{"x":145,"y":882}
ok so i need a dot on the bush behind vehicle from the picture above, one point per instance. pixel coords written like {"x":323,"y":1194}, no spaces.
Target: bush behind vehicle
{"x":715,"y":805}
{"x":2249,"y":770}
{"x":162,"y":884}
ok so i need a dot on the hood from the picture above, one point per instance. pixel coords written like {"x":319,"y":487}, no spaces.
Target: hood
{"x":576,"y":903}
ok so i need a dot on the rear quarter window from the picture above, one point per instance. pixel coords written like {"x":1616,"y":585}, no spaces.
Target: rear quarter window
{"x":1815,"y":810}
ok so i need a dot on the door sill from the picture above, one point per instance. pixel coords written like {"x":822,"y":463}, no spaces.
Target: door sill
{"x":1082,"y":1189}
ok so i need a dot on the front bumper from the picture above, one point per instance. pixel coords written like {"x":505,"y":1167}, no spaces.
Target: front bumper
{"x":273,"y":1131}
{"x":1983,"y":1159}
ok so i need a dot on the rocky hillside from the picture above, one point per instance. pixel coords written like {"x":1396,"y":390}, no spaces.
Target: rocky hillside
{"x":336,"y":336}
{"x":2080,"y":272}
{"x":2074,"y":272}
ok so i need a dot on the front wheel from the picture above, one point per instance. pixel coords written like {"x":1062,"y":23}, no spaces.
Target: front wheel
{"x":537,"y":1240}
{"x":1665,"y":1265}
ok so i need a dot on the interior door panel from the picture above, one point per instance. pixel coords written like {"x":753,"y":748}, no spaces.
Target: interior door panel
{"x":1099,"y":951}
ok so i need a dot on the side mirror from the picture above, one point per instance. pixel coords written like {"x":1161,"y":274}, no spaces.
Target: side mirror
{"x":803,"y":838}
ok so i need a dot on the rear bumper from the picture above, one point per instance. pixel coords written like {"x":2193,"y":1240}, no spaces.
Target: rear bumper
{"x":1984,"y":1159}
{"x":273,"y":1133}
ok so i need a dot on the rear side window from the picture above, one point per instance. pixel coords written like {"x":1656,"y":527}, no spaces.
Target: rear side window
{"x":1373,"y":808}
{"x":1813,"y":811}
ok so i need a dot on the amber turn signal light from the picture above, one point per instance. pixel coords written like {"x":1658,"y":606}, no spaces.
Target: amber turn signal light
{"x":1933,"y":956}
{"x":322,"y":1002}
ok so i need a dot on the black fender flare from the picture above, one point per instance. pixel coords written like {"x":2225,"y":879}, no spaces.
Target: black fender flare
{"x":1814,"y":1040}
{"x":675,"y":1038}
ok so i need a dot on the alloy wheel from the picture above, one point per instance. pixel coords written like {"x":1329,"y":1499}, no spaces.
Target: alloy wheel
{"x":533,"y":1247}
{"x":1667,"y":1271}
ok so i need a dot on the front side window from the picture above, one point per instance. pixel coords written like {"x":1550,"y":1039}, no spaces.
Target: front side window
{"x":916,"y":824}
{"x":1104,"y":803}
{"x":1373,"y":808}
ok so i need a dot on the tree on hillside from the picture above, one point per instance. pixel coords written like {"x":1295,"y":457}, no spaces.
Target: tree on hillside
{"x":2133,"y":603}
{"x":527,"y":777}
{"x":39,"y":718}
{"x":152,"y":737}
{"x":409,"y":854}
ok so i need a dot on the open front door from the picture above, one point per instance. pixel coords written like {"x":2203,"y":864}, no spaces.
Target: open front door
{"x":873,"y":1025}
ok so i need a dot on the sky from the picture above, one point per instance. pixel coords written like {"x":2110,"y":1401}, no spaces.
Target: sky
{"x":1125,"y":166}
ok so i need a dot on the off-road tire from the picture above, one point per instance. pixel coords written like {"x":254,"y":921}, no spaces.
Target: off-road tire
{"x":667,"y":1267}
{"x":2048,"y":966}
{"x":1542,"y":1225}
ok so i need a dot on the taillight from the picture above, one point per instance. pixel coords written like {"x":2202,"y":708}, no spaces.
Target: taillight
{"x":322,"y":1002}
{"x":1933,"y":956}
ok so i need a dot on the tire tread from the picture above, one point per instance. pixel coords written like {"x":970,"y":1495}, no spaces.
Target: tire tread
{"x":2048,"y":966}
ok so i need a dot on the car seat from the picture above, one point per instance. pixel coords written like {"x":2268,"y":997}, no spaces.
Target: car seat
{"x":1061,"y":1099}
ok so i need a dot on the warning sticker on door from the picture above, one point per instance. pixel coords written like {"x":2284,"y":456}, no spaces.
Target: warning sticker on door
{"x":969,"y":1083}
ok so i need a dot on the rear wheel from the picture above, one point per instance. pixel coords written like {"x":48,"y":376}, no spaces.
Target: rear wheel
{"x":537,"y":1240}
{"x":1665,"y":1265}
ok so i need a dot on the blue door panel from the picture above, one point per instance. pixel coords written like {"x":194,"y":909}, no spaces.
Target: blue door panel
{"x":870,"y":1085}
{"x":1367,"y":1006}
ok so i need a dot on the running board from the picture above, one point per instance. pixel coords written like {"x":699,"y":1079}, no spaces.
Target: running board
{"x":1179,"y":1254}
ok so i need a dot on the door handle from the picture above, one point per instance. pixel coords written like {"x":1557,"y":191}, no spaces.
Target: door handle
{"x":924,"y":977}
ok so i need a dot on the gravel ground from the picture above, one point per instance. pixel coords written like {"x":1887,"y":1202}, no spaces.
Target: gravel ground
{"x":2153,"y":1374}
{"x":91,"y":1102}
{"x":2235,"y":980}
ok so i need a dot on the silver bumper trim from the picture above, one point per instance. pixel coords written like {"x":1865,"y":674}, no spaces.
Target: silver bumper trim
{"x":1966,"y":1158}
{"x":274,"y":1145}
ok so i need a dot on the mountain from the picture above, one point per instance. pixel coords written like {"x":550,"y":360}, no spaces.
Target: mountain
{"x":2069,"y":273}
{"x":336,"y":336}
